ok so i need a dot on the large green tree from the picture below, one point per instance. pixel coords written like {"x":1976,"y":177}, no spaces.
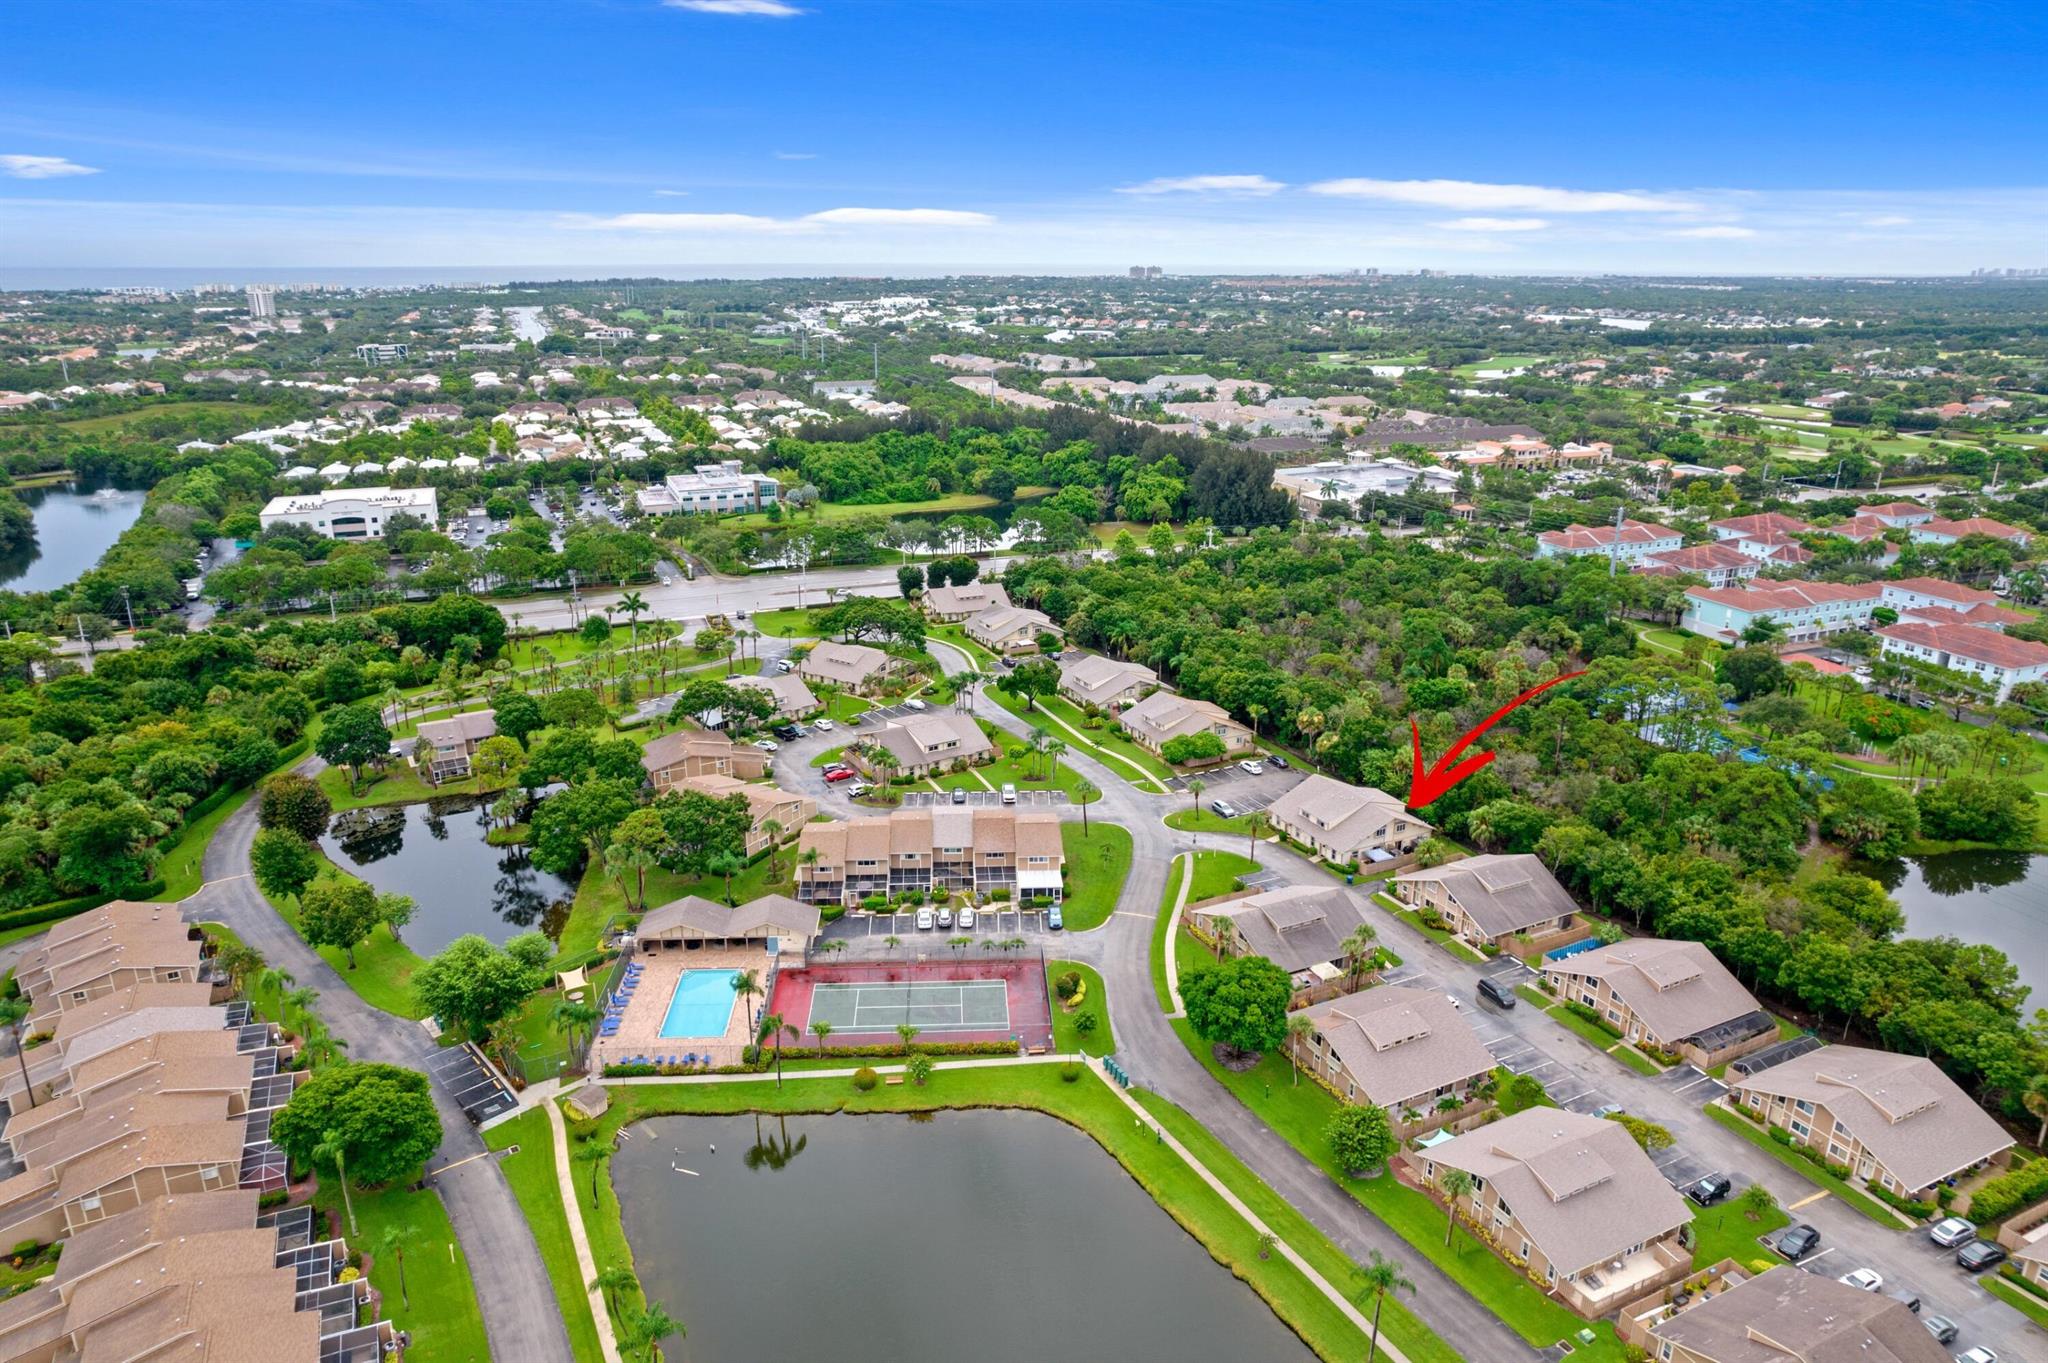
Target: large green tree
{"x":352,"y":736}
{"x":1240,"y":1004}
{"x":282,"y":862}
{"x":379,"y":1119}
{"x":471,"y":984}
{"x":340,"y":912}
{"x":293,"y":802}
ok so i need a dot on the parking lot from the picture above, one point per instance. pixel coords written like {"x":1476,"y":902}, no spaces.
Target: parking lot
{"x":983,"y":799}
{"x":996,"y":921}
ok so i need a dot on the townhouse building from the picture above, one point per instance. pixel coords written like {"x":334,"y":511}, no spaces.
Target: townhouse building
{"x":1346,"y":824}
{"x":1671,"y":996}
{"x":941,"y":849}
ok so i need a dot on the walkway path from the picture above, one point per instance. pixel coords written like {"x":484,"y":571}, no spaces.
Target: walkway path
{"x":586,"y":1264}
{"x":1287,"y":1251}
{"x":1186,"y":861}
{"x":512,"y":1286}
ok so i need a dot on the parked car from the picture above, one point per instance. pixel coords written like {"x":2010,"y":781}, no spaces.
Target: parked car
{"x":945,"y":918}
{"x":782,"y":664}
{"x":913,"y":704}
{"x":856,"y":790}
{"x":965,"y":921}
{"x":1942,"y":1328}
{"x":1606,"y":1110}
{"x":1277,"y":760}
{"x":1009,"y":793}
{"x":1709,"y":1190}
{"x":767,"y":745}
{"x":1224,"y":808}
{"x":1863,"y":1279}
{"x":1951,"y":1231}
{"x":1053,"y":918}
{"x":1251,"y":767}
{"x":1979,"y":1255}
{"x":787,"y":731}
{"x":839,"y":773}
{"x":924,"y":920}
{"x":1493,"y":991}
{"x":959,"y":796}
{"x":823,"y":726}
{"x":1798,"y":1242}
{"x":1979,"y":1354}
{"x":1906,"y":1297}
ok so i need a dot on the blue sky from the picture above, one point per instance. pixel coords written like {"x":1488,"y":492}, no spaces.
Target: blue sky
{"x":1195,"y":135}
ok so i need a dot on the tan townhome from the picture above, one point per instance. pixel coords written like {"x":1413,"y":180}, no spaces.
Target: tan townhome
{"x":766,"y":804}
{"x":921,"y":745}
{"x":1895,"y":1121}
{"x":1785,"y":1315}
{"x":1348,"y":824}
{"x":1010,"y":630}
{"x":1403,"y":1049}
{"x":1502,"y":902}
{"x":952,"y":604}
{"x":858,"y":668}
{"x":1105,"y":683}
{"x":455,"y":741}
{"x":685,"y":753}
{"x":1672,"y":997}
{"x":1161,"y":717}
{"x":1300,"y":928}
{"x":1570,"y":1199}
{"x":949,"y":848}
{"x":792,"y":696}
{"x":105,"y":951}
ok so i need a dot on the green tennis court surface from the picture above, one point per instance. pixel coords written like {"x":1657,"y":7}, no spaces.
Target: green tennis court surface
{"x":939,"y":1006}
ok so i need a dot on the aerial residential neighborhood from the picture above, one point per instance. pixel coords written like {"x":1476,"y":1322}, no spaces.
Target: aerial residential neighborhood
{"x":1279,"y":712}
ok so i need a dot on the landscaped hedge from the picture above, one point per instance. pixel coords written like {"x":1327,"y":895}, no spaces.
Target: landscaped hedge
{"x":1919,"y":1211}
{"x":1594,"y":1016}
{"x":67,"y":908}
{"x":2009,"y":1192}
{"x":767,"y":1060}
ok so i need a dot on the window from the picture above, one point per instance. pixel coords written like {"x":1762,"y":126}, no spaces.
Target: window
{"x":1803,"y":1106}
{"x":1800,"y":1129}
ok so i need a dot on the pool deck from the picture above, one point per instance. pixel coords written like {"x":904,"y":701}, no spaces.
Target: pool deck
{"x":640,"y":1028}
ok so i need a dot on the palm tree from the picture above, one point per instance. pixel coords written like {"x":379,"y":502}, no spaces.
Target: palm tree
{"x":1380,"y":1277}
{"x":632,"y":605}
{"x":1195,"y":788}
{"x":649,"y":1326}
{"x":821,"y":1029}
{"x":1456,"y":1183}
{"x":773,"y":1025}
{"x":13,"y":1012}
{"x":1054,"y":746}
{"x":808,"y":857}
{"x":301,"y":1001}
{"x":392,"y":1240}
{"x":570,"y":1016}
{"x":747,"y":984}
{"x":1084,"y":791}
{"x":612,"y":1281}
{"x":1355,"y":946}
{"x":908,"y":1033}
{"x":331,"y":1148}
{"x":771,"y":829}
{"x":592,"y":1153}
{"x":1254,"y":829}
{"x":728,"y":865}
{"x":1299,"y":1027}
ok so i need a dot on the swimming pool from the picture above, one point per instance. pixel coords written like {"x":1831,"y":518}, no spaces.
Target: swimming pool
{"x":701,"y":1006}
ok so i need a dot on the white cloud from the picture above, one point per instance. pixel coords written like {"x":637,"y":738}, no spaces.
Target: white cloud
{"x":748,"y":223}
{"x":42,"y":167}
{"x":1472,"y":196}
{"x":1887,"y":220}
{"x":1255,"y":185}
{"x":671,"y":193}
{"x":1495,"y":224}
{"x":1716,"y":232}
{"x":902,"y":217}
{"x":796,"y":156}
{"x":746,"y":9}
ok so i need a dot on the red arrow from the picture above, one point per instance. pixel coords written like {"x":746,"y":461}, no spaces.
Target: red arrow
{"x":1425,"y":787}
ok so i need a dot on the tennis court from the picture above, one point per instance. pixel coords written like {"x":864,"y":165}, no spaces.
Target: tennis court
{"x":930,"y":1006}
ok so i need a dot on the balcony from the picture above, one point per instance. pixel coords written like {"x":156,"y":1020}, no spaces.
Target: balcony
{"x":1602,"y":1289}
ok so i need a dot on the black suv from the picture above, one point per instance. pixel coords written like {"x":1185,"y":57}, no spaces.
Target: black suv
{"x":1797,"y":1243}
{"x":1710,"y":1189}
{"x":1490,"y":988}
{"x":788,"y":731}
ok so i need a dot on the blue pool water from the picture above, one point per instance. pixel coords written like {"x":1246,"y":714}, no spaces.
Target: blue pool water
{"x":701,"y":1005}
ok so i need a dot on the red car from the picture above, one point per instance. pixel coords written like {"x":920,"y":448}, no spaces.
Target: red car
{"x":838,"y":773}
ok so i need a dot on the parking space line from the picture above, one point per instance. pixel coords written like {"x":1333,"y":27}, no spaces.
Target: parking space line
{"x":1804,"y":1201}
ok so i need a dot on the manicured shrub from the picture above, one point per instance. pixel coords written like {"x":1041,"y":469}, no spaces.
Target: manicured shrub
{"x":1068,"y":984}
{"x":1071,"y":1071}
{"x":865,"y":1078}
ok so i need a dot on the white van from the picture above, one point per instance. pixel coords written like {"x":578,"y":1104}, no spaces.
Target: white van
{"x":913,"y":704}
{"x":1009,"y":793}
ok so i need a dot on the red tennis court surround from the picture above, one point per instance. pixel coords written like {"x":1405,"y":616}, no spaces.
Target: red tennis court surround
{"x":944,"y":1000}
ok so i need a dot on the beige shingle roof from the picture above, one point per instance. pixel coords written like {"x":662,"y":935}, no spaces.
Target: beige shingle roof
{"x":1678,"y":989}
{"x":846,"y":664}
{"x":1502,"y":894}
{"x":1095,"y":678}
{"x":1398,"y":1042}
{"x":1296,"y":926}
{"x":1787,"y":1316}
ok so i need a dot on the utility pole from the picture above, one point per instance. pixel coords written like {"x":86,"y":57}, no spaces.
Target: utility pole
{"x":575,"y":599}
{"x":85,"y":643}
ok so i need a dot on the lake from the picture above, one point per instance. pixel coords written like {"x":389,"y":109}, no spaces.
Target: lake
{"x":74,"y":527}
{"x":1004,"y":1237}
{"x":436,"y":853}
{"x":1998,"y":898}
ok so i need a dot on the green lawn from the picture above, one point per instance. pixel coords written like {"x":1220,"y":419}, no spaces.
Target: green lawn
{"x":531,"y":1173}
{"x":1440,"y":936}
{"x":1107,"y":737}
{"x":444,"y":1321}
{"x":829,"y":756}
{"x":1724,"y":1231}
{"x":1028,"y":772}
{"x":12,"y":935}
{"x":1175,"y":875}
{"x":842,"y":707}
{"x":1207,"y":820}
{"x":97,"y":425}
{"x":948,"y":505}
{"x":1087,"y":1104}
{"x":1097,"y":867}
{"x":1066,"y":1037}
{"x":1597,"y":1037}
{"x":2033,"y":1307}
{"x":1217,"y":872}
{"x":384,"y":965}
{"x":1301,"y":1112}
{"x":566,"y":646}
{"x":785,"y":623}
{"x":400,"y":785}
{"x":1806,"y":1169}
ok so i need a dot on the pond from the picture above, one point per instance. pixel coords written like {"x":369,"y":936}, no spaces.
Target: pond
{"x":436,"y":853}
{"x":1998,"y":898}
{"x":995,"y":1236}
{"x":74,"y":526}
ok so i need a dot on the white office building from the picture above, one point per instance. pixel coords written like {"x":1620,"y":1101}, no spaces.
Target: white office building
{"x":352,"y":513}
{"x":382,"y":354}
{"x":263,"y":300}
{"x":724,"y":486}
